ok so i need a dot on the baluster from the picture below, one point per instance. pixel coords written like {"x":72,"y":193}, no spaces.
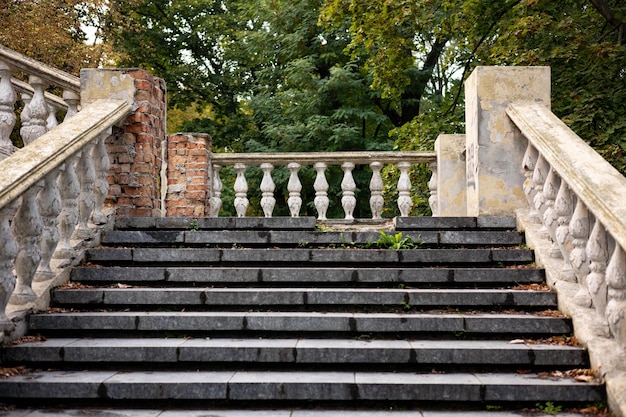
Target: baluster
{"x":241,"y":189}
{"x":71,"y":99}
{"x":579,"y":227}
{"x":68,"y":219}
{"x":563,"y":209}
{"x":377,"y":201}
{"x":86,"y":199}
{"x":35,"y":120}
{"x":267,"y":187}
{"x":321,"y":191}
{"x":405,"y":203}
{"x":8,"y":252}
{"x":432,"y":187}
{"x":616,"y":307}
{"x":348,"y":186}
{"x":51,"y":121}
{"x":597,"y":252}
{"x":102,"y":164}
{"x":539,"y":178}
{"x":294,"y":187}
{"x":550,"y":190}
{"x":49,"y":208}
{"x":528,"y":165}
{"x":7,"y":110}
{"x":215,"y":202}
{"x":27,"y":228}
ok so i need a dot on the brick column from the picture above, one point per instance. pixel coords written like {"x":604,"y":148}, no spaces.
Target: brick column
{"x":188,"y":190}
{"x":135,"y":148}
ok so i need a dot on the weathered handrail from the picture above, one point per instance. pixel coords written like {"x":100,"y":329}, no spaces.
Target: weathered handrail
{"x":44,"y":202}
{"x":319,"y":161}
{"x":580,"y":199}
{"x":31,"y":66}
{"x":39,"y":113}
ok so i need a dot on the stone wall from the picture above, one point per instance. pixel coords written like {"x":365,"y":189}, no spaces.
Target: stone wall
{"x":135,"y":148}
{"x":188,"y":190}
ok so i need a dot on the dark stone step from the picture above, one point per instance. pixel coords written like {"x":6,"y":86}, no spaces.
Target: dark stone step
{"x":309,"y":223}
{"x":430,"y":223}
{"x":236,"y":386}
{"x":303,"y":238}
{"x":285,"y":322}
{"x":296,"y":351}
{"x":308,"y":275}
{"x":221,"y":223}
{"x":310,"y":256}
{"x":272,"y":297}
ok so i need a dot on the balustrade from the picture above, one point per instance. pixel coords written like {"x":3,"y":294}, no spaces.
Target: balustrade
{"x":42,"y":199}
{"x":583,"y":216}
{"x":320,"y":162}
{"x":41,"y":107}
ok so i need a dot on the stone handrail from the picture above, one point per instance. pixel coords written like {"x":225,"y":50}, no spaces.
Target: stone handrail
{"x":580,"y":200}
{"x":31,"y":66}
{"x":49,"y":192}
{"x":40,"y":107}
{"x":320,"y":161}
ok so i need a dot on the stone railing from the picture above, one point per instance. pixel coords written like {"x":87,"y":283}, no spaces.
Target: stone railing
{"x":41,"y":109}
{"x":50,"y":191}
{"x":580,"y":200}
{"x":319,"y":161}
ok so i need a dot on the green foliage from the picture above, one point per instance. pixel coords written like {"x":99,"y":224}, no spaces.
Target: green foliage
{"x":339,"y":75}
{"x":193,"y":225}
{"x":396,"y":241}
{"x":549,"y":408}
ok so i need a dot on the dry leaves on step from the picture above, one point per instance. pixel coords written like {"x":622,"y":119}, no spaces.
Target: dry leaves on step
{"x":580,"y":375}
{"x":28,"y":339}
{"x":9,"y":372}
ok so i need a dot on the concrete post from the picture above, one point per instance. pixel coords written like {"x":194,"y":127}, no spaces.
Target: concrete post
{"x":451,"y":183}
{"x":495,"y":148}
{"x":136,"y":150}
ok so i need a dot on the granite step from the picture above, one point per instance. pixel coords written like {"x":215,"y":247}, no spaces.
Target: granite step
{"x":310,"y":223}
{"x":304,"y":238}
{"x":219,"y":223}
{"x":372,"y":257}
{"x":274,"y":412}
{"x":439,"y":353}
{"x":308,"y":275}
{"x":304,"y":297}
{"x":305,"y":322}
{"x":112,"y":386}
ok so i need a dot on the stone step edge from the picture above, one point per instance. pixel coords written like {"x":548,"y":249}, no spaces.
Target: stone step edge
{"x":306,"y":238}
{"x":273,"y":412}
{"x":347,"y":274}
{"x":457,"y":323}
{"x":405,"y":298}
{"x":312,"y":256}
{"x":297,"y":351}
{"x":310,"y":223}
{"x":279,"y":386}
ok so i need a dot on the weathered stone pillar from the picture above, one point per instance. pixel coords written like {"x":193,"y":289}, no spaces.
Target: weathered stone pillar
{"x":135,"y":149}
{"x":495,"y":148}
{"x":188,"y":178}
{"x":451,"y":182}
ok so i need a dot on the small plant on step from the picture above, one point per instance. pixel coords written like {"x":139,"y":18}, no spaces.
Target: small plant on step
{"x":549,"y":408}
{"x":396,"y":241}
{"x":193,"y":225}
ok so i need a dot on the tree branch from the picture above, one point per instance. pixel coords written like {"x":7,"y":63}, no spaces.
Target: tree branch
{"x":609,"y":15}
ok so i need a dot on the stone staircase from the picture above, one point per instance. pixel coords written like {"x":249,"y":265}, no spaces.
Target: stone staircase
{"x":273,"y":317}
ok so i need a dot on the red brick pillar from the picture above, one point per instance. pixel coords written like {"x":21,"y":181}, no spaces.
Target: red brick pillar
{"x":135,"y":149}
{"x":187,"y":175}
